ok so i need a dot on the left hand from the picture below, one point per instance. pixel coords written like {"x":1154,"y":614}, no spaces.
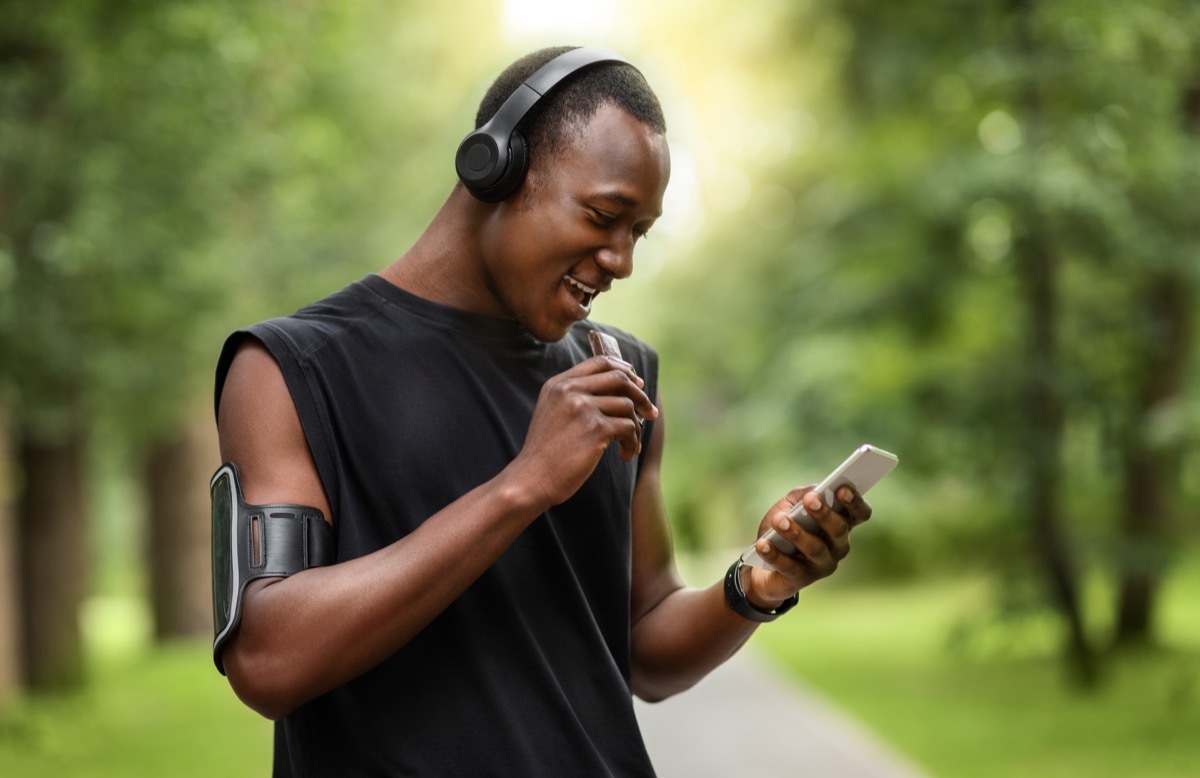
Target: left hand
{"x":817,"y":554}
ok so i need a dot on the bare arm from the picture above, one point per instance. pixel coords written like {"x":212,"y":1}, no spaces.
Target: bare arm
{"x":679,"y":635}
{"x":304,"y":635}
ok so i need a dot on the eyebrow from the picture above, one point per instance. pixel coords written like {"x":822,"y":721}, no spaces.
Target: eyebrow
{"x":622,"y":200}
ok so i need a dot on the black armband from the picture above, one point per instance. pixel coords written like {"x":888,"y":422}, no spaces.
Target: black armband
{"x":257,"y":541}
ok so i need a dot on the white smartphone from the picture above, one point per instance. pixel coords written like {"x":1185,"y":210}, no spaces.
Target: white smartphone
{"x":861,"y":470}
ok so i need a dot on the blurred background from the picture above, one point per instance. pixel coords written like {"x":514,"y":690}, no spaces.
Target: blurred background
{"x":965,"y":232}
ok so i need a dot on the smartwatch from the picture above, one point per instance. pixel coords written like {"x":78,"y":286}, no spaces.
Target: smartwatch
{"x":736,"y":597}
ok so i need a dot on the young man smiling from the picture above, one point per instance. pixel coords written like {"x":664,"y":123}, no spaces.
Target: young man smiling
{"x":503,"y":580}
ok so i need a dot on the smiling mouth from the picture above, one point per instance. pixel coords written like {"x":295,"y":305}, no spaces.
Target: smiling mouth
{"x":585,"y":293}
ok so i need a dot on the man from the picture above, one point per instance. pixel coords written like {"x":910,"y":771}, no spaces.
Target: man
{"x":503,"y":578}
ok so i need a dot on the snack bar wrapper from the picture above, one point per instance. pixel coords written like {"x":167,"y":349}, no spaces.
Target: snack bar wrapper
{"x":605,"y":345}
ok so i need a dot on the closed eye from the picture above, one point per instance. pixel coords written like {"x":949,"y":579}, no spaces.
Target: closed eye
{"x":602,"y":218}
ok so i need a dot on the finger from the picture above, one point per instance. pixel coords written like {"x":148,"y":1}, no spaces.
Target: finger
{"x":810,"y":503}
{"x":644,"y":407}
{"x":631,"y":441}
{"x":796,"y":528}
{"x":621,"y":424}
{"x":602,"y":364}
{"x":830,"y":526}
{"x":793,"y":498}
{"x":787,"y":575}
{"x":809,"y":561}
{"x":617,"y":379}
{"x":854,"y":507}
{"x":620,"y":408}
{"x":815,"y":554}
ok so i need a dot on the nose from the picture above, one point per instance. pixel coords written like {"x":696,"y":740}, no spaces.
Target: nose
{"x":616,"y":258}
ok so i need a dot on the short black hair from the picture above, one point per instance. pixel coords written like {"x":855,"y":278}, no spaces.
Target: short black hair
{"x":572,"y":103}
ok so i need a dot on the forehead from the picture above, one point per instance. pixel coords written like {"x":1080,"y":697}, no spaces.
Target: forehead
{"x":613,"y":155}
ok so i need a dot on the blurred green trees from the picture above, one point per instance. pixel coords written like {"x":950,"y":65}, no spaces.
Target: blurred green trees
{"x":962,"y":231}
{"x":985,"y":261}
{"x":168,"y":171}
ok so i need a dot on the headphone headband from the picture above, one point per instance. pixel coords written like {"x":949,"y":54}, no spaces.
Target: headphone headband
{"x":491,"y":161}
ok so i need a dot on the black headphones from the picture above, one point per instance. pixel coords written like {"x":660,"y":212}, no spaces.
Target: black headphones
{"x":491,"y":161}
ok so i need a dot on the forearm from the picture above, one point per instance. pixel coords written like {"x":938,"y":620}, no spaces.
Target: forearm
{"x":304,"y":635}
{"x":683,"y":638}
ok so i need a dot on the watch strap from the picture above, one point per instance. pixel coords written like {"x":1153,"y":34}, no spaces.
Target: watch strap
{"x":735,"y":595}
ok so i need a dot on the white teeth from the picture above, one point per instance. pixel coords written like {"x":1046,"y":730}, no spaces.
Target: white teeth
{"x":588,"y":292}
{"x":580,"y":286}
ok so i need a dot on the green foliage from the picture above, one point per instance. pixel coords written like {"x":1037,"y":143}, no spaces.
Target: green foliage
{"x":116,"y":118}
{"x":886,"y":304}
{"x":965,"y":691}
{"x":169,"y":171}
{"x":868,"y":177}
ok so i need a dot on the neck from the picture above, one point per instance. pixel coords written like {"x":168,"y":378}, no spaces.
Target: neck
{"x":442,"y":265}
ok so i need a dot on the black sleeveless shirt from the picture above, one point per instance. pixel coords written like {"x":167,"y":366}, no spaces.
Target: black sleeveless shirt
{"x":406,"y":406}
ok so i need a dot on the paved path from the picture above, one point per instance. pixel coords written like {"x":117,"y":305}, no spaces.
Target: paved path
{"x":743,"y":721}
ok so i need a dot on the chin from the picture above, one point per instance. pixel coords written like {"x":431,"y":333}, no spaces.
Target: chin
{"x":548,"y":333}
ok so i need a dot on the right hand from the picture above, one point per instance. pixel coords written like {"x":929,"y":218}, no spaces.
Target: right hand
{"x":579,"y":413}
{"x":817,"y":554}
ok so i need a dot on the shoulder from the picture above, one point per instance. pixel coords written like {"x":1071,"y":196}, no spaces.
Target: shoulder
{"x":319,"y":322}
{"x":293,"y":340}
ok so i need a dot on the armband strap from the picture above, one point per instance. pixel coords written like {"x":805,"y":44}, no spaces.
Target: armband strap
{"x":257,"y":541}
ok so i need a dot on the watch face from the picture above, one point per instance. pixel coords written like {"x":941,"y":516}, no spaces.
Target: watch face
{"x":224,"y":570}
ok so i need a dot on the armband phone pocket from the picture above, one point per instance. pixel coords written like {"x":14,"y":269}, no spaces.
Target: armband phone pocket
{"x":257,"y":541}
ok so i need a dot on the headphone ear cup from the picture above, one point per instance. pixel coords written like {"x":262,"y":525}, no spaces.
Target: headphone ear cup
{"x":476,"y":161}
{"x":513,"y":173}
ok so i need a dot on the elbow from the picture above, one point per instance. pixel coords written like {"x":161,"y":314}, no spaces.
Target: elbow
{"x":265,"y":706}
{"x":649,"y":695}
{"x":656,"y":687}
{"x":263,"y":683}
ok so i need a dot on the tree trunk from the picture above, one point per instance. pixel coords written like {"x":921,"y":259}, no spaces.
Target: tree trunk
{"x":1043,"y":407}
{"x":179,"y":526}
{"x":53,"y":561}
{"x":1150,"y":469}
{"x":10,"y":634}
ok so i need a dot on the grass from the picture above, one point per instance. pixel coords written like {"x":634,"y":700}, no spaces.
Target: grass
{"x":147,"y":712}
{"x":998,"y":702}
{"x":160,"y":715}
{"x":994,"y":704}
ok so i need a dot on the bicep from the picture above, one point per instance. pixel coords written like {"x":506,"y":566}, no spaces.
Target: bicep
{"x":260,"y":431}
